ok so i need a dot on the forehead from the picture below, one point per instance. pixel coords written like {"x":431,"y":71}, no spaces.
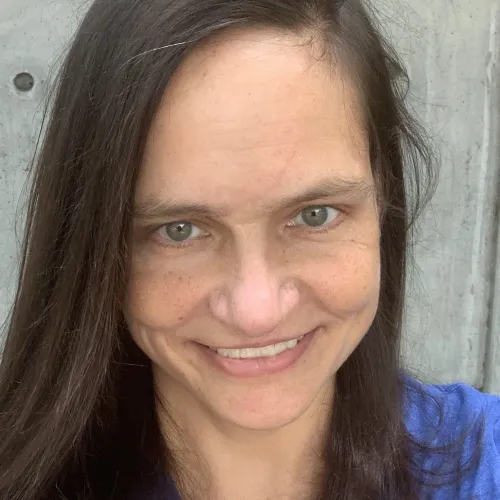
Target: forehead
{"x":251,"y":114}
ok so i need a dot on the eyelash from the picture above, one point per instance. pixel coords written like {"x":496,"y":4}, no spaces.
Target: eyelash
{"x":165,"y":243}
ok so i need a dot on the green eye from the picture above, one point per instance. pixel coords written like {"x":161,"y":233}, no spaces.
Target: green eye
{"x":315,"y":216}
{"x":179,"y":231}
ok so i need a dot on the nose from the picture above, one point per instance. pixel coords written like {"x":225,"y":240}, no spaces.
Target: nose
{"x":257,"y":300}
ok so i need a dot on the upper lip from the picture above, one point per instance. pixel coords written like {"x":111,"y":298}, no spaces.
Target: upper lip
{"x":262,"y":343}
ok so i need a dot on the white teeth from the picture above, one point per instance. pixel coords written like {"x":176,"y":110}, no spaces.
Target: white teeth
{"x":258,"y":352}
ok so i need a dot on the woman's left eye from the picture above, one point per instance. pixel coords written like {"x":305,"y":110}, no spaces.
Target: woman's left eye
{"x":315,"y":217}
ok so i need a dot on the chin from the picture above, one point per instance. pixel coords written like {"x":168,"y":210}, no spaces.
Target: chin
{"x":271,"y":407}
{"x":265,"y":420}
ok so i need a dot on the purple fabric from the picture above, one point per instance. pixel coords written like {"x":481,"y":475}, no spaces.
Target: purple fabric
{"x":163,"y":489}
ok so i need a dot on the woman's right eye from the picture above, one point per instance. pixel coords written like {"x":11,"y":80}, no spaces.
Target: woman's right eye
{"x":179,"y":232}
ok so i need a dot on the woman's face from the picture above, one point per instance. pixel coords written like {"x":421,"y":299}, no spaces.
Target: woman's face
{"x":255,"y":225}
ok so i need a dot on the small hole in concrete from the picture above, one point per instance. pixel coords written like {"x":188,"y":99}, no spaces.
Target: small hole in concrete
{"x":24,"y":82}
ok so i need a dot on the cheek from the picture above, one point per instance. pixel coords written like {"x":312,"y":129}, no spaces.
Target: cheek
{"x":347,"y":280}
{"x":160,"y":299}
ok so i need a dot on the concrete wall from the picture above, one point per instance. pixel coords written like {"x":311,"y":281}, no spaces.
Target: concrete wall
{"x":451,"y":48}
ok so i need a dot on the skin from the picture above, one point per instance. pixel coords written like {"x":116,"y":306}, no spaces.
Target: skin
{"x":251,"y":119}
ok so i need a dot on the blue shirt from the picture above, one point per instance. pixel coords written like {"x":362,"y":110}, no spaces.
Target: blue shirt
{"x":441,"y":414}
{"x":438,"y":415}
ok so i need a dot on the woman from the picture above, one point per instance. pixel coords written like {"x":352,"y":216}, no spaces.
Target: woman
{"x":212,"y":287}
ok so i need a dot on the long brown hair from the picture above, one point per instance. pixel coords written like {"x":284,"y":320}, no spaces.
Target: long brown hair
{"x":77,"y":402}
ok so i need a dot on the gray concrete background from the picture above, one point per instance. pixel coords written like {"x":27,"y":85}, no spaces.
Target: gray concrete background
{"x":452,"y":51}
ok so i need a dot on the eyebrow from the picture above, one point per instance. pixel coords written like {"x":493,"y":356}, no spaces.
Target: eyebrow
{"x":346,"y":188}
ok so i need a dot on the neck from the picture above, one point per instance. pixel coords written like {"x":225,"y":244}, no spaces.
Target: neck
{"x":231,"y":462}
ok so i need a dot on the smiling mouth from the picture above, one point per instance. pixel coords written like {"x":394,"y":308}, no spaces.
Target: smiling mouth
{"x":257,"y":352}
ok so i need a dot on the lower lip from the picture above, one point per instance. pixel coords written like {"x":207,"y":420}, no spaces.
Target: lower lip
{"x":255,"y":367}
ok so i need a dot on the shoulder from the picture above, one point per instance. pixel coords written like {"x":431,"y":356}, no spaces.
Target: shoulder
{"x":429,"y":405}
{"x":455,"y":430}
